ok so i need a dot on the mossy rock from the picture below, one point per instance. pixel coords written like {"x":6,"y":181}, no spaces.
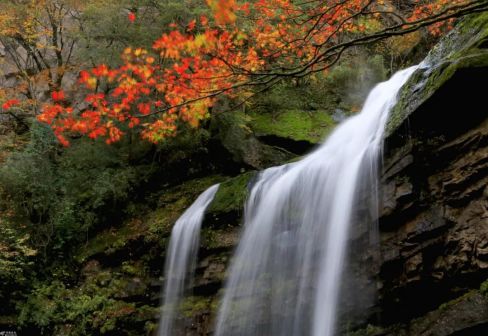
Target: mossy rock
{"x":484,"y":288}
{"x":231,"y":195}
{"x":110,"y":240}
{"x":464,"y":47}
{"x":233,"y":130}
{"x":172,"y":204}
{"x":194,"y":305}
{"x":296,"y":125}
{"x":152,"y":226}
{"x":219,"y":238}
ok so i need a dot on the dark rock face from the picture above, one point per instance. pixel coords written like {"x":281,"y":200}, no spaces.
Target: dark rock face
{"x":434,"y":223}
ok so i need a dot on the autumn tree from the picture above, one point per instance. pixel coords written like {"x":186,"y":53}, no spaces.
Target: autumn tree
{"x":245,"y":48}
{"x":46,"y":43}
{"x":36,"y":39}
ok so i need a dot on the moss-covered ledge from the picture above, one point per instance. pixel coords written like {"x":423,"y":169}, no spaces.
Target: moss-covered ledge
{"x":464,"y":48}
{"x":229,"y":199}
{"x":311,"y":126}
{"x":150,"y":228}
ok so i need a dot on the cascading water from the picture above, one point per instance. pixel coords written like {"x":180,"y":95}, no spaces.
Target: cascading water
{"x":286,"y":274}
{"x":181,"y":258}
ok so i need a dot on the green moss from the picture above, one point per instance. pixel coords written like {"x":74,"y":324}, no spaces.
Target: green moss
{"x":231,"y":194}
{"x":484,"y":288}
{"x":172,"y":203}
{"x":160,"y":221}
{"x":196,"y":305}
{"x":475,"y":21}
{"x":293,"y":124}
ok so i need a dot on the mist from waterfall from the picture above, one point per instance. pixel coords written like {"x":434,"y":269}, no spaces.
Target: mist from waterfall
{"x":287,"y":272}
{"x":181,"y":258}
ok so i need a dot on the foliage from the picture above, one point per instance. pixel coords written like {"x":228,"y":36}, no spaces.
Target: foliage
{"x":97,"y":306}
{"x":345,"y":85}
{"x":64,"y":194}
{"x":16,"y":258}
{"x":28,"y":176}
{"x":104,"y":301}
{"x":250,"y":45}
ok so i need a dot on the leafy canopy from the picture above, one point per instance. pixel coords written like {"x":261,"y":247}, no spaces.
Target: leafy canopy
{"x":245,"y":48}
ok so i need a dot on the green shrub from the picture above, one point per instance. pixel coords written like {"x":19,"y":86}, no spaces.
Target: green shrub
{"x":16,"y":260}
{"x":96,"y":306}
{"x":63,"y":193}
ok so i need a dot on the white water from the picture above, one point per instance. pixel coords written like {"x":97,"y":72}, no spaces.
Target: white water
{"x":181,"y":258}
{"x":286,"y":274}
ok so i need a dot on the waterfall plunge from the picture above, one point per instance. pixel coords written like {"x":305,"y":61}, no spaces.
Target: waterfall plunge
{"x":285,"y":278}
{"x":181,"y":258}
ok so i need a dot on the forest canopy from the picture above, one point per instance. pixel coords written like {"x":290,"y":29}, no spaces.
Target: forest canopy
{"x":232,"y":50}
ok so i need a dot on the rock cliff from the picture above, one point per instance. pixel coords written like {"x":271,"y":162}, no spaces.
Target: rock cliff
{"x":434,"y":221}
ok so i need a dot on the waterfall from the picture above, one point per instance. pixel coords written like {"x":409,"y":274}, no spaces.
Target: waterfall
{"x":181,"y":258}
{"x":286,"y":274}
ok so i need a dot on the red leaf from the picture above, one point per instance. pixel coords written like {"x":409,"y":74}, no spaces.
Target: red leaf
{"x":191,"y":25}
{"x":132,"y":17}
{"x":57,"y":95}
{"x":9,"y":103}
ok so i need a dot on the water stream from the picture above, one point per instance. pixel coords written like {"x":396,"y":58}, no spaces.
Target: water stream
{"x":287,"y":272}
{"x":181,"y":258}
